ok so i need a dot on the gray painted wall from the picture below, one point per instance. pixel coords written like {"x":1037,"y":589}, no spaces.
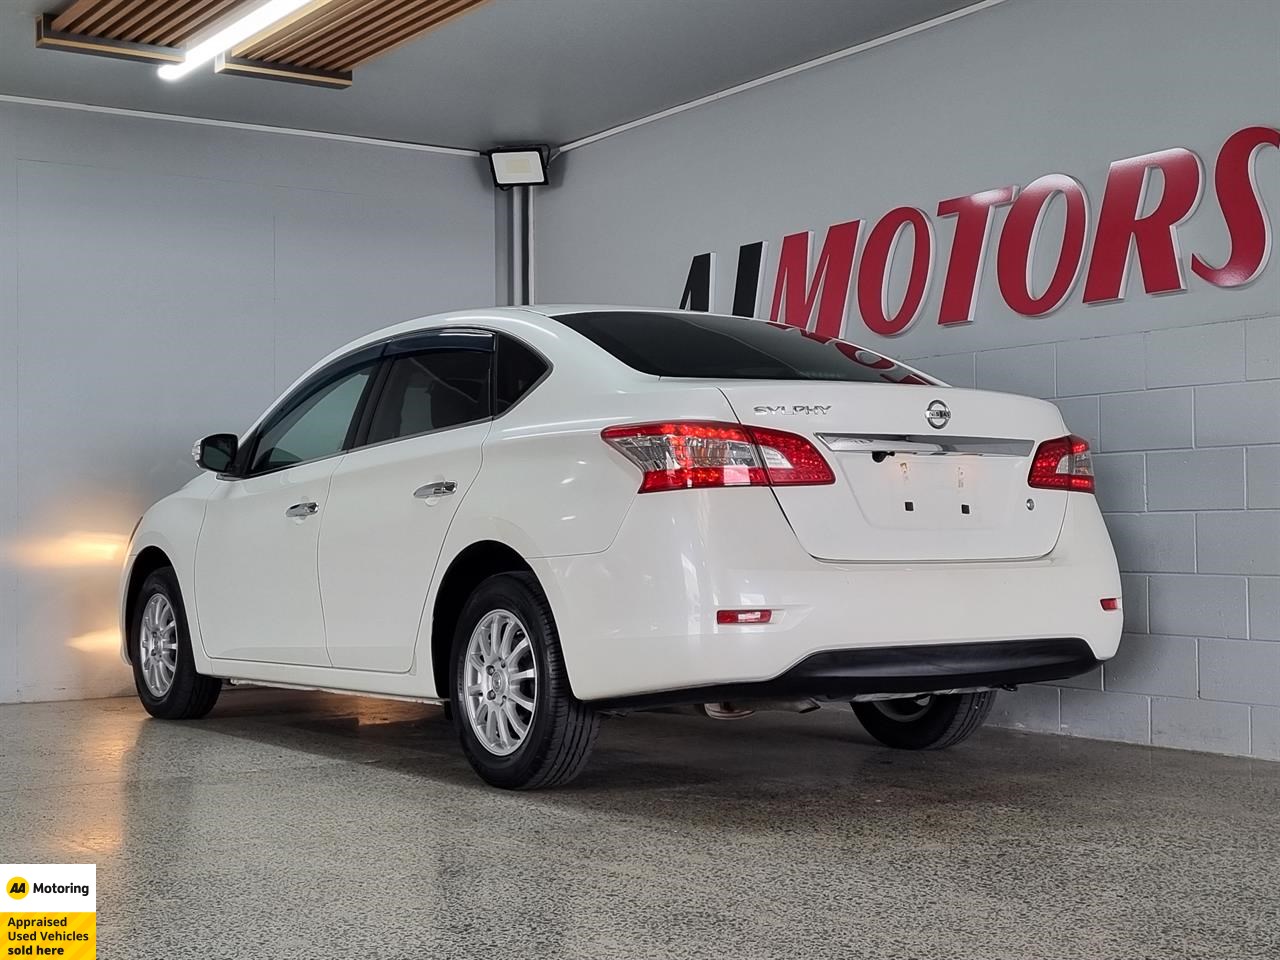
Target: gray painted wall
{"x":160,"y":281}
{"x":1178,"y":393}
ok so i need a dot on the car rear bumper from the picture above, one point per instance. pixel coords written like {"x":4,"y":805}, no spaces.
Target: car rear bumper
{"x":640,"y":617}
{"x":924,"y":668}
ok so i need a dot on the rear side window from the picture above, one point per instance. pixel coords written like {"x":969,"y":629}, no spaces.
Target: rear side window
{"x":706,"y":346}
{"x":516,"y":370}
{"x":432,"y":390}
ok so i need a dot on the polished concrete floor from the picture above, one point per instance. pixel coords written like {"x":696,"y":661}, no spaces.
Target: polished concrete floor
{"x":308,"y":826}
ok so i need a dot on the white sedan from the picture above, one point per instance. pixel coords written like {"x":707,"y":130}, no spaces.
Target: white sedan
{"x":539,"y":514}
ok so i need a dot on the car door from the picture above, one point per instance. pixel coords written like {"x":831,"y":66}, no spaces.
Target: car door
{"x":394,"y":496}
{"x":256,"y":576}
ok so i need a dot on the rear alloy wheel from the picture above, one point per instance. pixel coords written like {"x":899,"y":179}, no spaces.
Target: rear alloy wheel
{"x":500,"y":680}
{"x":519,"y":723}
{"x":928,"y":722}
{"x":164,"y":670}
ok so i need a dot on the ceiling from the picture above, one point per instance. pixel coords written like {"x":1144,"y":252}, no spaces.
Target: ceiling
{"x":507,"y":71}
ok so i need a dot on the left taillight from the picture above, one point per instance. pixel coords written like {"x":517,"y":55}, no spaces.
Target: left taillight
{"x":1062,"y":464}
{"x":686,"y":454}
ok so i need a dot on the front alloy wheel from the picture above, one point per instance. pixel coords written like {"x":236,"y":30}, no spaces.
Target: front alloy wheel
{"x":158,"y":645}
{"x":164,"y":669}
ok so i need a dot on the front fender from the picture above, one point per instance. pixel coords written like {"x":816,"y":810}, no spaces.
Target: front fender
{"x":171,"y":526}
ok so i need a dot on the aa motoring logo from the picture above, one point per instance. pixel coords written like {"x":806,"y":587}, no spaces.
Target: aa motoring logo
{"x":1128,"y":221}
{"x":19,"y":887}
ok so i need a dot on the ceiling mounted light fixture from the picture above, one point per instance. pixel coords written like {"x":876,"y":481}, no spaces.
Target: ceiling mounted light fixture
{"x":518,"y":166}
{"x":259,"y":18}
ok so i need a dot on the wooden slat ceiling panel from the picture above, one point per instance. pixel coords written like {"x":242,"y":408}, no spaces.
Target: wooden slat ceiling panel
{"x":334,"y":35}
{"x":161,"y":22}
{"x":372,"y":42}
{"x":283,"y":45}
{"x":71,"y":16}
{"x":84,"y":16}
{"x":117,"y":23}
{"x":171,"y":25}
{"x":346,"y":33}
{"x":334,"y":45}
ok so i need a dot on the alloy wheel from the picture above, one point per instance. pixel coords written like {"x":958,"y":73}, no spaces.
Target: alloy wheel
{"x":158,"y":645}
{"x":500,"y":681}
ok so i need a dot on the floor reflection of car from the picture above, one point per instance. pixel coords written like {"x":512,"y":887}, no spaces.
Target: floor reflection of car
{"x":539,"y":514}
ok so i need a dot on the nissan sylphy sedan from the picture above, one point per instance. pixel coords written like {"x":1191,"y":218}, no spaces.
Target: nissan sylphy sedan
{"x":540,"y":514}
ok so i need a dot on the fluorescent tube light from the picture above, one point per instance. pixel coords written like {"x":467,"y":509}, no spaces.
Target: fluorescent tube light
{"x":252,"y":23}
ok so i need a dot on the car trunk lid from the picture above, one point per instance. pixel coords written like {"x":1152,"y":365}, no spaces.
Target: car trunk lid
{"x":923,"y":473}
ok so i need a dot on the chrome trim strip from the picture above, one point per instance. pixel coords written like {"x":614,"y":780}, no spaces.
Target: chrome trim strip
{"x":929,"y":446}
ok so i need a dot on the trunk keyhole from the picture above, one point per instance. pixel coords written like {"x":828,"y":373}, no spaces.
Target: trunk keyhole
{"x":909,"y":506}
{"x":964,"y":508}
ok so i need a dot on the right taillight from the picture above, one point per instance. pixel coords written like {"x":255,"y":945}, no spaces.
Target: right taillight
{"x":685,"y":454}
{"x":1062,"y":464}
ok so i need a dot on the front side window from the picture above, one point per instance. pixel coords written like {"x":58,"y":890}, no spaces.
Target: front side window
{"x":700,"y":345}
{"x":432,"y":390}
{"x":315,"y":427}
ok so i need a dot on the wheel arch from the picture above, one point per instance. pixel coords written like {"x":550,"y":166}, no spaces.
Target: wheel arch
{"x":468,"y":569}
{"x":148,"y":561}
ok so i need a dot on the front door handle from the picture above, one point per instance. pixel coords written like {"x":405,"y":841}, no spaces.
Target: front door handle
{"x":300,"y":510}
{"x":441,"y":488}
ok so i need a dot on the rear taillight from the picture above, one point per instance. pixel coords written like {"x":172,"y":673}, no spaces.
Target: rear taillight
{"x":684,"y":454}
{"x":790,"y":460}
{"x":1062,"y":464}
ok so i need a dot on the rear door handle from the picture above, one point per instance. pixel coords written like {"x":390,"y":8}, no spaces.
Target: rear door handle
{"x":441,"y":488}
{"x":304,"y":509}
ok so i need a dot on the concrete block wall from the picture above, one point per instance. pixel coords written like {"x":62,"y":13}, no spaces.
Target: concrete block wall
{"x":1186,"y":438}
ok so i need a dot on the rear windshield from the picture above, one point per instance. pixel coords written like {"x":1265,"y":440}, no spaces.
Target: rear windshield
{"x":706,"y":346}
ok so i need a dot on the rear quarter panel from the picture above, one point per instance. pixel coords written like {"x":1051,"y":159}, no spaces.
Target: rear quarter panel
{"x":548,"y":479}
{"x":549,"y":486}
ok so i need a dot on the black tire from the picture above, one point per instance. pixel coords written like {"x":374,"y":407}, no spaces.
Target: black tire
{"x":190,"y":695}
{"x":562,"y":729}
{"x":944,"y":721}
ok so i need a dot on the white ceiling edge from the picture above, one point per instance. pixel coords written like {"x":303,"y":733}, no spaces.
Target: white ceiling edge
{"x":237,"y":125}
{"x":781,"y":74}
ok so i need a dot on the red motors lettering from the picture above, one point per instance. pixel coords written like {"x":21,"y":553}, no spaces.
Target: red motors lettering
{"x":1129,"y":241}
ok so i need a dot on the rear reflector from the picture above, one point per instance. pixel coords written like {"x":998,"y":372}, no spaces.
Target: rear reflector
{"x":1110,"y":603}
{"x":685,"y":454}
{"x":1062,"y":464}
{"x":743,"y":616}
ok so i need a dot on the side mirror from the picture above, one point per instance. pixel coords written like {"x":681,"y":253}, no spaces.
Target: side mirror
{"x":216,"y":452}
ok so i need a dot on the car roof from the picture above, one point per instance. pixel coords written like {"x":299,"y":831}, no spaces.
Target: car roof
{"x":531,"y":313}
{"x":559,"y":309}
{"x":537,"y":314}
{"x":507,"y":319}
{"x":510,"y":319}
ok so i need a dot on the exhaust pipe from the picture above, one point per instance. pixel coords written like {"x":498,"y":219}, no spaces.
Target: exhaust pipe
{"x":739,"y":711}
